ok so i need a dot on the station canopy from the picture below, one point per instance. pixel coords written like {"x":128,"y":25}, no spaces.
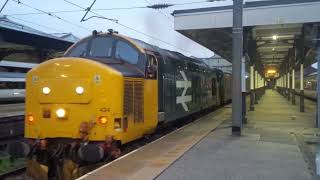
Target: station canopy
{"x":17,"y":38}
{"x":275,"y":32}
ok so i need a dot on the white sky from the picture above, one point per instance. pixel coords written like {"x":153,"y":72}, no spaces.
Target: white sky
{"x":150,"y":21}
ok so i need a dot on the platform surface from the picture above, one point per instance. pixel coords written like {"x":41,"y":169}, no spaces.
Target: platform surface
{"x":268,"y":148}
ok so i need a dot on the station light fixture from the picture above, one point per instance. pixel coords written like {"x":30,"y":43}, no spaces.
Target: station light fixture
{"x":273,"y":49}
{"x":271,"y":71}
{"x":46,"y":90}
{"x":61,"y":113}
{"x":79,"y":90}
{"x":275,"y":37}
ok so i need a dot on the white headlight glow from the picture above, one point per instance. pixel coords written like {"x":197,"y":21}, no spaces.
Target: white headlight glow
{"x":61,"y":113}
{"x":46,"y":90}
{"x":79,"y":90}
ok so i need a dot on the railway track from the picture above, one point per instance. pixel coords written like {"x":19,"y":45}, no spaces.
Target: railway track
{"x":14,"y":173}
{"x":11,"y":129}
{"x":159,"y":133}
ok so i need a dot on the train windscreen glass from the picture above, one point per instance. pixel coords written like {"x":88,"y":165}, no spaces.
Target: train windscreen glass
{"x":126,"y":52}
{"x":98,"y":47}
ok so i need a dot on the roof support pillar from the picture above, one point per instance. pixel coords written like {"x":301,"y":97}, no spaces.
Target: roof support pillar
{"x":293,"y":88}
{"x":301,"y":89}
{"x":256,"y":86}
{"x":252,"y":88}
{"x":237,"y":53}
{"x":285,"y":84}
{"x":302,"y":57}
{"x":288,"y":85}
{"x":243,"y":89}
{"x":318,"y":77}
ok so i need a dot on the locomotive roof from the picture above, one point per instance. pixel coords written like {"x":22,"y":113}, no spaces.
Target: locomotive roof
{"x":143,"y":46}
{"x":168,"y":53}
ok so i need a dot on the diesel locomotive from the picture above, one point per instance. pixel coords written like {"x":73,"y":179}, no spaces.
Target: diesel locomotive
{"x":109,"y":90}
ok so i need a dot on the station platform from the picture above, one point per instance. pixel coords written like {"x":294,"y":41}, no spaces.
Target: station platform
{"x":272,"y":146}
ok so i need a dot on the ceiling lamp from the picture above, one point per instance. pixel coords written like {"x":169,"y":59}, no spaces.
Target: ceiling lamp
{"x":275,"y":37}
{"x":271,"y":71}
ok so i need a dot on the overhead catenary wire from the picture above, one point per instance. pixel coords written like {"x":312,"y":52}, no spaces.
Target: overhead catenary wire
{"x":89,"y":10}
{"x":128,"y":27}
{"x":159,"y":10}
{"x":78,"y":11}
{"x":40,"y":25}
{"x":4,"y":5}
{"x":108,"y":9}
{"x":50,"y":14}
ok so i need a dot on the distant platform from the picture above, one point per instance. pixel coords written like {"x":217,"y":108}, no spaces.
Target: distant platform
{"x":270,"y":148}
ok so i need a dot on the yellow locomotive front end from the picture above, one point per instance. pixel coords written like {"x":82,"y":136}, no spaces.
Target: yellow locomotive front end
{"x":73,"y":106}
{"x":73,"y":98}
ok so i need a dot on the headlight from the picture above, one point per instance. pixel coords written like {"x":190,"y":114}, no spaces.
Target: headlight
{"x":46,"y":90}
{"x":79,"y":90}
{"x":61,"y":113}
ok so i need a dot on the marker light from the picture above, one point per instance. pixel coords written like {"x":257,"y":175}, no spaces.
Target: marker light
{"x":79,"y":90}
{"x":103,"y":119}
{"x":30,"y":118}
{"x":46,"y":90}
{"x":61,"y":113}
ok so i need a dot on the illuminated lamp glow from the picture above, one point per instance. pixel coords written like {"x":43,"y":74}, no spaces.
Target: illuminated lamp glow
{"x":61,"y":113}
{"x":79,"y":90}
{"x":275,"y":37}
{"x":271,"y":71}
{"x":30,"y":118}
{"x":46,"y":90}
{"x":103,"y":120}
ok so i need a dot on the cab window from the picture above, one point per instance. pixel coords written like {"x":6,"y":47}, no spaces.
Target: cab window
{"x":152,"y":67}
{"x":126,"y":52}
{"x":98,"y":47}
{"x":79,"y":50}
{"x":101,"y":47}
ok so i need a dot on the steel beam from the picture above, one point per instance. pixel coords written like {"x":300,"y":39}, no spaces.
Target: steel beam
{"x":237,"y":53}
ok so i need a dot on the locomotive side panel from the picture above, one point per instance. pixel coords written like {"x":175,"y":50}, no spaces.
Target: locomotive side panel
{"x":187,"y":88}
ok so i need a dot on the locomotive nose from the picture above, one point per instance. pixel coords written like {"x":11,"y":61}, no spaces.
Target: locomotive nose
{"x":62,"y":93}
